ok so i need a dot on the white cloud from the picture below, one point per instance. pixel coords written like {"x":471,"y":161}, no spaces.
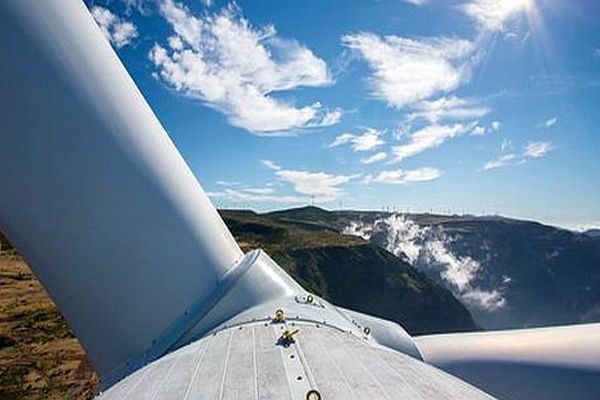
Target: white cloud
{"x":374,"y":158}
{"x":508,"y":158}
{"x":537,"y":149}
{"x":141,"y":6}
{"x":549,"y":123}
{"x":478,"y":131}
{"x":257,"y":195}
{"x":429,"y":249}
{"x":220,"y":59}
{"x":502,"y":161}
{"x":271,"y":164}
{"x":496,"y":125}
{"x":447,"y":108}
{"x":405,"y":71}
{"x":491,"y":15}
{"x":368,"y":140}
{"x":582,"y":227}
{"x":429,"y":137}
{"x":416,"y":2}
{"x":487,"y":300}
{"x":260,"y":191}
{"x":400,"y":176}
{"x":320,"y":186}
{"x":228,"y":183}
{"x":116,"y":30}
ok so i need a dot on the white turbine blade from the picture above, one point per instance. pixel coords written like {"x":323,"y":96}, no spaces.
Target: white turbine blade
{"x":542,"y":363}
{"x":94,"y":194}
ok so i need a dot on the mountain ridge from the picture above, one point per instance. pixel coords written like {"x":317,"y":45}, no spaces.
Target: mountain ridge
{"x":545,"y":275}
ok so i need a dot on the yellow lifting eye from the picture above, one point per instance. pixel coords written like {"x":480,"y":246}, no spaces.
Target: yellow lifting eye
{"x":279,"y":315}
{"x":313,"y":395}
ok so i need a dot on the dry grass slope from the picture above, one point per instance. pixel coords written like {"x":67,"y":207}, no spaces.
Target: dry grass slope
{"x":39,"y":356}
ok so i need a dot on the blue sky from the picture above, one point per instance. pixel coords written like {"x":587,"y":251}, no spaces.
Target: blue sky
{"x":475,"y":106}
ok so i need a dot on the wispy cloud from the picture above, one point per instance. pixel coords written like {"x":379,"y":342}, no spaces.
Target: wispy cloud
{"x":368,"y":140}
{"x":507,"y":157}
{"x":537,"y":149}
{"x":320,"y":186}
{"x":377,"y":157}
{"x":271,"y":164}
{"x":502,"y":161}
{"x":257,"y":195}
{"x":405,"y":71}
{"x":447,"y":108}
{"x":429,"y":137}
{"x":549,"y":123}
{"x":492,"y":15}
{"x":228,"y":183}
{"x":118,"y":31}
{"x":417,"y":2}
{"x":401,"y":176}
{"x":222,"y":60}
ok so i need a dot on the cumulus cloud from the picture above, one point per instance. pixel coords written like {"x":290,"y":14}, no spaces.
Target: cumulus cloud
{"x":492,"y":15}
{"x":496,"y":125}
{"x":537,"y":149}
{"x":416,"y":2}
{"x":478,"y":131}
{"x":429,"y":137}
{"x":400,"y":176}
{"x":368,"y":140}
{"x":320,"y":186}
{"x":447,"y":108}
{"x":374,"y":158}
{"x":430,"y":249}
{"x":405,"y":71}
{"x":222,"y":60}
{"x":118,"y":31}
